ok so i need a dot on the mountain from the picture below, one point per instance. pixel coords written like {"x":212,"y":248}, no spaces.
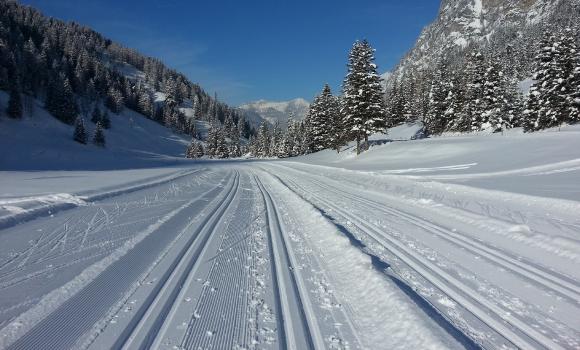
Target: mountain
{"x":500,"y":23}
{"x":384,"y":79}
{"x":274,"y":112}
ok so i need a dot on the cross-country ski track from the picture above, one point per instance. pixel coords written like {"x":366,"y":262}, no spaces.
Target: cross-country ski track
{"x":284,"y":255}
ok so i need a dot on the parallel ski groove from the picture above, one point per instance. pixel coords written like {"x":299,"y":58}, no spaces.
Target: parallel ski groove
{"x":285,"y":264}
{"x":66,"y":324}
{"x":139,"y":336}
{"x":442,"y":280}
{"x":494,"y":256}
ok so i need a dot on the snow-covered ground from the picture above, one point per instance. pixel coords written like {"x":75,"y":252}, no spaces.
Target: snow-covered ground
{"x":452,"y":242}
{"x":41,"y":142}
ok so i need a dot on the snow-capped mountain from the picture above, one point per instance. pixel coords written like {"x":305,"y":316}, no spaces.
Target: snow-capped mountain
{"x":384,"y":79}
{"x":461,"y":22}
{"x":277,"y":111}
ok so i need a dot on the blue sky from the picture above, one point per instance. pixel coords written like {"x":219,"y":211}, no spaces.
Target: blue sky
{"x":254,"y":49}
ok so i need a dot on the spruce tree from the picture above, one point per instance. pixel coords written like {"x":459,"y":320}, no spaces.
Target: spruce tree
{"x":568,"y":86}
{"x":222,"y":150}
{"x":194,"y":150}
{"x":99,"y":135}
{"x":60,"y":101}
{"x":436,"y":118}
{"x":275,"y":140}
{"x":473,"y":111}
{"x":539,"y":112}
{"x":323,"y":120}
{"x":363,"y":108}
{"x":115,"y":100}
{"x":497,"y":101}
{"x":263,"y":141}
{"x":199,"y":151}
{"x":14,"y":109}
{"x":80,"y":134}
{"x":336,"y":128}
{"x":212,"y":141}
{"x":454,"y":102}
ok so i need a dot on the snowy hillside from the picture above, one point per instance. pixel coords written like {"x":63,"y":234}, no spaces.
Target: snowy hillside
{"x":278,"y":111}
{"x":42,"y":142}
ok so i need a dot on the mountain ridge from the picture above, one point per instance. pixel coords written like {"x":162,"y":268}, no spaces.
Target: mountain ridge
{"x":278,"y":111}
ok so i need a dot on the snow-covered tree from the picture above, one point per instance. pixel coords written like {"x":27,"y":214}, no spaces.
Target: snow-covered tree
{"x":275,"y":140}
{"x":323,"y":114}
{"x":363,"y":108}
{"x":60,"y":101}
{"x":473,"y":110}
{"x":115,"y":100}
{"x":496,"y":100}
{"x":263,"y":141}
{"x":436,"y":119}
{"x":80,"y":134}
{"x":99,"y":135}
{"x":194,"y":150}
{"x":222,"y":150}
{"x":211,"y":141}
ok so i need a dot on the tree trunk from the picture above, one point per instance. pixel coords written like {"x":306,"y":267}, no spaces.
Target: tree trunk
{"x":366,"y":145}
{"x":357,"y":145}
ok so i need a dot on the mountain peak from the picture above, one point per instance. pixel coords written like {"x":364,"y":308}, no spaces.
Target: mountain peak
{"x":278,"y":111}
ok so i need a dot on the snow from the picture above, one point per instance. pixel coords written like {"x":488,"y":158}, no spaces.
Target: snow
{"x":446,"y":242}
{"x":525,"y":85}
{"x":44,"y":143}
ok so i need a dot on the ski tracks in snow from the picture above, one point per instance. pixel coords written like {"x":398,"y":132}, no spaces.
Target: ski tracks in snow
{"x":425,"y":269}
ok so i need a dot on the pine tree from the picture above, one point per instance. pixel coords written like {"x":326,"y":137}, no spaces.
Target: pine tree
{"x":222,"y":150}
{"x":542,"y":99}
{"x":436,"y":120}
{"x":454,"y":102}
{"x":409,"y":101}
{"x":212,"y":141}
{"x":114,"y":100}
{"x":229,"y":126}
{"x":60,"y":100}
{"x":336,"y":128}
{"x":473,"y":110}
{"x":263,"y":141}
{"x":363,"y":108}
{"x":496,"y":100}
{"x":194,"y":150}
{"x":395,"y":104}
{"x":99,"y":135}
{"x":199,"y":151}
{"x":14,"y":109}
{"x":145,"y":104}
{"x":80,"y":134}
{"x":319,"y":118}
{"x":568,"y":84}
{"x":275,"y":140}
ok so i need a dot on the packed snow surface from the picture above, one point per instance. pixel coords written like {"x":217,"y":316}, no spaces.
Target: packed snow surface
{"x":458,"y":241}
